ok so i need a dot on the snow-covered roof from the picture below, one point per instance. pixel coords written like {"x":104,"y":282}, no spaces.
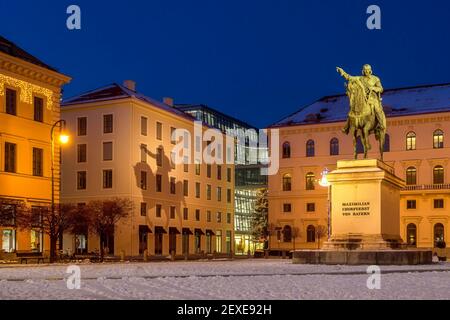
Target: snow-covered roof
{"x":116,"y":91}
{"x":396,"y":102}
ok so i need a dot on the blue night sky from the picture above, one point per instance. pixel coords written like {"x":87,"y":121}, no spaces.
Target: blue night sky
{"x":257,"y":60}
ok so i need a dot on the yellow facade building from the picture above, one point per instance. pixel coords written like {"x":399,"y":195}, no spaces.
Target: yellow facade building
{"x":122,"y":147}
{"x":311,"y":140}
{"x":30,"y":94}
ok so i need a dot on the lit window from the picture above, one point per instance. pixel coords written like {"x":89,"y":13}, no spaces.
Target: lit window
{"x":310,"y":177}
{"x":411,"y":141}
{"x":411,"y":176}
{"x":438,"y":139}
{"x":438,"y":175}
{"x":287,"y":182}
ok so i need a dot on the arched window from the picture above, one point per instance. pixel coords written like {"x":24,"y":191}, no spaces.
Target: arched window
{"x":311,"y":234}
{"x":310,"y":181}
{"x":287,"y":182}
{"x":334,"y":147}
{"x":411,"y":176}
{"x":438,"y":175}
{"x":438,"y":139}
{"x":411,"y":234}
{"x":387,"y":143}
{"x":411,"y":141}
{"x":438,"y":235}
{"x":286,"y":150}
{"x":310,"y":152}
{"x":287,"y":234}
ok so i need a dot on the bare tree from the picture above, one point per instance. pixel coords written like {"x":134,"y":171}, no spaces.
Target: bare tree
{"x":321,"y":231}
{"x":295,"y":234}
{"x":13,"y":213}
{"x":51,"y":223}
{"x":102,"y":216}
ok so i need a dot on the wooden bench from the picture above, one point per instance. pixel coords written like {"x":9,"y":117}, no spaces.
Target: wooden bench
{"x":27,"y":255}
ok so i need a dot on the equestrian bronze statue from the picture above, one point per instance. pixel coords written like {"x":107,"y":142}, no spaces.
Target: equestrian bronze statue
{"x":366,"y":114}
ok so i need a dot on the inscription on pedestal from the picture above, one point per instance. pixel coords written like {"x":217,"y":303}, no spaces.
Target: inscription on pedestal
{"x":355,"y":209}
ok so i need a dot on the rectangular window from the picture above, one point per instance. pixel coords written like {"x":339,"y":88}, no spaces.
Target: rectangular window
{"x":410,"y":204}
{"x":173,"y":156}
{"x":208,"y":216}
{"x":219,"y":193}
{"x":81,"y":180}
{"x":208,"y":192}
{"x":186,"y":188}
{"x":228,"y":174}
{"x":208,"y":171}
{"x":287,"y":208}
{"x":38,"y":156}
{"x":197,"y":167}
{"x":38,"y":109}
{"x":158,"y":183}
{"x":185,"y":214}
{"x":159,"y":130}
{"x":172,"y":212}
{"x":197,"y":189}
{"x":219,"y":172}
{"x":158,"y":211}
{"x":172,"y":185}
{"x":107,"y":179}
{"x":108,"y":123}
{"x":439,"y":203}
{"x":197,"y":214}
{"x":310,"y":207}
{"x":82,"y":126}
{"x":144,"y":126}
{"x":219,"y":217}
{"x":228,"y":217}
{"x":143,"y":153}
{"x":143,"y":180}
{"x":107,"y":151}
{"x":186,"y":164}
{"x":82,"y":153}
{"x":159,"y":157}
{"x":11,"y":102}
{"x":229,"y":195}
{"x":219,"y":241}
{"x":143,"y":209}
{"x":10,"y":157}
{"x":173,"y":140}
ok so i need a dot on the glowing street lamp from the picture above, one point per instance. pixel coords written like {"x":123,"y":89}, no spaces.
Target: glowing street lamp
{"x":63,"y":139}
{"x":325,"y":183}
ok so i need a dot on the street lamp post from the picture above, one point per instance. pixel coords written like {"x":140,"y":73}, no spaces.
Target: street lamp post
{"x":325,"y":183}
{"x":63,"y":139}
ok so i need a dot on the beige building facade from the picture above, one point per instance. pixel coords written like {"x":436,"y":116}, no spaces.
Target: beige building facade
{"x":122,"y":148}
{"x":30,"y":94}
{"x":311,"y":141}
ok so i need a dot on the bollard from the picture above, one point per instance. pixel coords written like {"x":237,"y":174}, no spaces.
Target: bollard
{"x":145,"y":255}
{"x":266,"y":254}
{"x":172,"y":255}
{"x":186,"y":255}
{"x":122,"y":256}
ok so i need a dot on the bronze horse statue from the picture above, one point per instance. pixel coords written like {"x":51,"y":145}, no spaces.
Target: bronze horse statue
{"x":362,"y":120}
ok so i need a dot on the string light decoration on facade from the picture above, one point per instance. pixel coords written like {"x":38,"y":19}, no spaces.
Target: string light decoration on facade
{"x":26,"y":90}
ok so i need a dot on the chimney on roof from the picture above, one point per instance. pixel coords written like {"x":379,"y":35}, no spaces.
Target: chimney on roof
{"x":168,"y":101}
{"x":130,"y":84}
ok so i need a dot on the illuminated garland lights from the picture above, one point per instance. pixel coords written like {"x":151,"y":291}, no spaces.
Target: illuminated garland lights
{"x":26,"y":90}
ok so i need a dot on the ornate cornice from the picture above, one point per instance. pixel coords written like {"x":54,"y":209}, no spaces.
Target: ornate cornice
{"x":29,"y":70}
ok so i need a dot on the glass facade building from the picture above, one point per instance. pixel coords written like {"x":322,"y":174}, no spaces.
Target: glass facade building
{"x":248,"y":178}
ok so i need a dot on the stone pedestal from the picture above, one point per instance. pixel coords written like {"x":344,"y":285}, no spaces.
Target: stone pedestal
{"x":365,"y":218}
{"x":365,"y":212}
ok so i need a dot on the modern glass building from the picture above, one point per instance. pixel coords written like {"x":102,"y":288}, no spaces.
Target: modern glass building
{"x":248,"y":178}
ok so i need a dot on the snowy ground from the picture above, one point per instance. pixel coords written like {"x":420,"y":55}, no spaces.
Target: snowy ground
{"x":240,"y":279}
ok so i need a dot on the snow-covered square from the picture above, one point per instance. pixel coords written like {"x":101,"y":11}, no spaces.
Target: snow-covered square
{"x":226,"y":280}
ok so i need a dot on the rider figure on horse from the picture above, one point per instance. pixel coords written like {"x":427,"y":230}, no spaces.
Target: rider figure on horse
{"x":374,"y":89}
